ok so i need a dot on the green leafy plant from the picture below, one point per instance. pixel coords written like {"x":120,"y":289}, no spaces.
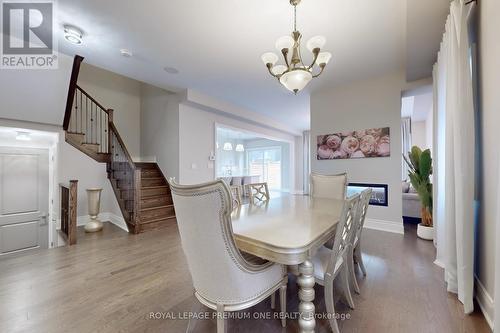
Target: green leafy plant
{"x":420,"y":165}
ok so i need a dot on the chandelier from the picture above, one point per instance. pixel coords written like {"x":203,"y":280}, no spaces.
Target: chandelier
{"x":294,"y":75}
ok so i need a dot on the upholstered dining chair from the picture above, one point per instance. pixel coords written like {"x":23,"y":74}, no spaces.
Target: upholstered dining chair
{"x":332,"y":263}
{"x":223,"y":279}
{"x":355,"y":257}
{"x":259,"y":192}
{"x":329,"y":186}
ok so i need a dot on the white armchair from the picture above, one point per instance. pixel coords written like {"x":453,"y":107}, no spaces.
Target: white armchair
{"x":223,"y":279}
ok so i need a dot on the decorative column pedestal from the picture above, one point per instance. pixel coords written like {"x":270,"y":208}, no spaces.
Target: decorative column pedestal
{"x":94,"y":202}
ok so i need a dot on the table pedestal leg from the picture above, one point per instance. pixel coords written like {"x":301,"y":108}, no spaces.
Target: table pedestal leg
{"x":306,"y":282}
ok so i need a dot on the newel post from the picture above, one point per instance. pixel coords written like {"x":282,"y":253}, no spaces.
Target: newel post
{"x":137,"y":199}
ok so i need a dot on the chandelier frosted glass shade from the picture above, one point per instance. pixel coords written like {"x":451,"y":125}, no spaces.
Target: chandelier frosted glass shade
{"x":294,"y":75}
{"x":296,"y":80}
{"x":285,"y":42}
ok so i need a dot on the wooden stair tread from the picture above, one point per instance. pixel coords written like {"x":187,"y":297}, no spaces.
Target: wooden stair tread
{"x":153,"y":187}
{"x":169,"y":217}
{"x":90,"y":144}
{"x":157,"y":207}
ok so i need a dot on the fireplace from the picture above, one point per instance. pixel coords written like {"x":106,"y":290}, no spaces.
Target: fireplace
{"x":379,"y":197}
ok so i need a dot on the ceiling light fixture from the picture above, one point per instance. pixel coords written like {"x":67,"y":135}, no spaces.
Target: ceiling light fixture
{"x":239,"y":148}
{"x":23,"y":136}
{"x":228,"y":146}
{"x":73,"y":35}
{"x":295,"y":75}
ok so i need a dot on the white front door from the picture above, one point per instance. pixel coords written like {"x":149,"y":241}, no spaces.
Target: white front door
{"x":24,"y":191}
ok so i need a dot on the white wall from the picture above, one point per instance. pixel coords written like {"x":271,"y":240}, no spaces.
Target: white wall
{"x":160,"y":128}
{"x":36,"y":95}
{"x":489,"y":81}
{"x":419,"y":134}
{"x":197,"y":141}
{"x":361,"y":105}
{"x":121,"y":94}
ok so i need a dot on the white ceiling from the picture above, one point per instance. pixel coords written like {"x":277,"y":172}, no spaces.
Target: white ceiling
{"x":216,"y":45}
{"x":424,"y":28}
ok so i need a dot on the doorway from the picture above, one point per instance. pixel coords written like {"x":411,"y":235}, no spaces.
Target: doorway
{"x":24,"y":203}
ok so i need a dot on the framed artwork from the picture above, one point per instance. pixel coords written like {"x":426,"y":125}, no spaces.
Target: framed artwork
{"x":373,"y":142}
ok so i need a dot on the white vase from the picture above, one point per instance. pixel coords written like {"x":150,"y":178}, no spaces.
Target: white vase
{"x":424,"y":232}
{"x":94,"y":202}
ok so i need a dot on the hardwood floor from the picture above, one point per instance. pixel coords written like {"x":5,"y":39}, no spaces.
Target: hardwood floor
{"x":105,"y":284}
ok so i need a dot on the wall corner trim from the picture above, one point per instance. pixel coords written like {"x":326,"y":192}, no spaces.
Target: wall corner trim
{"x":485,"y":301}
{"x":387,"y":226}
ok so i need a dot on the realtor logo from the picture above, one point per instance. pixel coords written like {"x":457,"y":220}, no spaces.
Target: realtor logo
{"x":28,"y":41}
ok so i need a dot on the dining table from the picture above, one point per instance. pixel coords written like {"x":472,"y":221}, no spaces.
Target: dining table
{"x":289,"y":229}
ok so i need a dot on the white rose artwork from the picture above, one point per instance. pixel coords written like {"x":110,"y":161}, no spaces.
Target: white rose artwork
{"x":372,"y":142}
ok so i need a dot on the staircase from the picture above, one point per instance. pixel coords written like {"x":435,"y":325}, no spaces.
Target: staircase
{"x":141,"y":189}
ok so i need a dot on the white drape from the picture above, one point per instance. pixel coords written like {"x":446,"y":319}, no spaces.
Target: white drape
{"x":454,"y":156}
{"x":306,"y":138}
{"x":406,"y":144}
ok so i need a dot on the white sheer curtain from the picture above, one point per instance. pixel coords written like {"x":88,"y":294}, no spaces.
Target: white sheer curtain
{"x":406,"y":144}
{"x":454,"y":156}
{"x":306,"y":136}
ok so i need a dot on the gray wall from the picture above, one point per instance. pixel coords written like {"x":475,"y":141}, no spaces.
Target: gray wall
{"x":362,"y":105}
{"x":160,"y":128}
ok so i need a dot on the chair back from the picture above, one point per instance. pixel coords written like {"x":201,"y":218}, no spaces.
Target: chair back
{"x":259,"y":192}
{"x":203,"y":212}
{"x":329,"y":186}
{"x":343,"y":235}
{"x":364,"y":202}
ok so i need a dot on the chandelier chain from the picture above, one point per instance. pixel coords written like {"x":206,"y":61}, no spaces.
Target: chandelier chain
{"x":295,"y":18}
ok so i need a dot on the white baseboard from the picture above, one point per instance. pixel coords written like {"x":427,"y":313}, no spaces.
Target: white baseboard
{"x":485,"y":302}
{"x":119,"y":221}
{"x":382,"y":225}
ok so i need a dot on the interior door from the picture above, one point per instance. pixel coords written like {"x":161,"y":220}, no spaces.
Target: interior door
{"x":24,"y":191}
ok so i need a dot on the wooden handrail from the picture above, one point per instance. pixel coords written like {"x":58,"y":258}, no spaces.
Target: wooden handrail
{"x":113,"y":129}
{"x":91,"y":98}
{"x":71,"y":90}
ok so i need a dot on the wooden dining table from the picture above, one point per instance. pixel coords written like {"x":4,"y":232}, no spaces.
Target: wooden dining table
{"x":288,"y":230}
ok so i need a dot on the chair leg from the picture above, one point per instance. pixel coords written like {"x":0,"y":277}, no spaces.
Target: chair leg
{"x":345,"y":286}
{"x":330,"y":306}
{"x":283,"y":304}
{"x":350,"y":263}
{"x":273,"y":301}
{"x":221,"y":322}
{"x":359,"y":258}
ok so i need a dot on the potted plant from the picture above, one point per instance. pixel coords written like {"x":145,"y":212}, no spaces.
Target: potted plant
{"x":420,"y":164}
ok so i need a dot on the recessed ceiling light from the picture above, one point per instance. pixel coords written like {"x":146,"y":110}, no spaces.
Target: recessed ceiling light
{"x":23,"y":136}
{"x":126,"y":53}
{"x":73,"y":35}
{"x":171,"y":70}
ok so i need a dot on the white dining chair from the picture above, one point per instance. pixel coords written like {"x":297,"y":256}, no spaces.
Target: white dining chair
{"x":329,"y":186}
{"x":332,"y":263}
{"x":258,"y":192}
{"x":223,"y":279}
{"x":355,"y":257}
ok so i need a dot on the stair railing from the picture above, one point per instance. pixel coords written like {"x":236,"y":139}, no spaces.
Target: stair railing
{"x":90,"y":118}
{"x":121,"y":162}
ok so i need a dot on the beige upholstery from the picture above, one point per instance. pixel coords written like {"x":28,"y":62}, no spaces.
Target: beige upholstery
{"x":259,"y":192}
{"x":329,"y":186}
{"x":331,"y":263}
{"x":223,"y":280}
